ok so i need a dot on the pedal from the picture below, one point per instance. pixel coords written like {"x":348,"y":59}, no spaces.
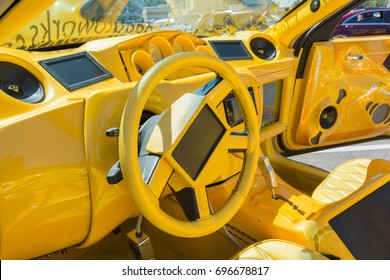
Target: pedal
{"x":140,"y":245}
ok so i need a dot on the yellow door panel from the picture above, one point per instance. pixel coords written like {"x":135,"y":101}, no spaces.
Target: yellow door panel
{"x":344,"y":94}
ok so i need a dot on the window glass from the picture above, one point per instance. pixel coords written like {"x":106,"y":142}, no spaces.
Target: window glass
{"x":369,"y":18}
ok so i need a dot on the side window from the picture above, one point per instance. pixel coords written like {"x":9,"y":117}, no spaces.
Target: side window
{"x":352,"y":20}
{"x":370,"y":18}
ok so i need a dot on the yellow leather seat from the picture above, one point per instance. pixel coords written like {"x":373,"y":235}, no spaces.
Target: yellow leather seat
{"x":345,"y":179}
{"x":342,"y":181}
{"x":276,"y":249}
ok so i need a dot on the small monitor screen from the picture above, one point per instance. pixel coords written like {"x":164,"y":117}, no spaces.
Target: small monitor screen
{"x":76,"y":71}
{"x":232,"y":108}
{"x":230,"y":50}
{"x":196,"y":146}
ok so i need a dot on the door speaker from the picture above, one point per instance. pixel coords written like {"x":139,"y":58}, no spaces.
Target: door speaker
{"x":328,"y":117}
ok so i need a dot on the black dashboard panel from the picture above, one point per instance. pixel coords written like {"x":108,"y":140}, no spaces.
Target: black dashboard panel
{"x":194,"y":149}
{"x":231,"y":50}
{"x":76,"y":71}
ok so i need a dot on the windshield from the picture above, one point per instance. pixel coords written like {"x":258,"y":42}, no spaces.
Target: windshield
{"x":72,"y":22}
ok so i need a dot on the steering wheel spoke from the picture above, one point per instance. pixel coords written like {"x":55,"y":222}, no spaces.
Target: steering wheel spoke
{"x":160,"y":177}
{"x":194,"y":202}
{"x":238,"y":142}
{"x":218,"y":93}
{"x":202,"y":202}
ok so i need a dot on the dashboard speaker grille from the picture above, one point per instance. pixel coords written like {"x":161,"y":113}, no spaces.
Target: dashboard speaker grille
{"x":20,"y":84}
{"x":263,"y":48}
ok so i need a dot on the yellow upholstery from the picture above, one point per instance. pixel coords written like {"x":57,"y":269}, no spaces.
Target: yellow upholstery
{"x":342,"y":181}
{"x":275,"y":249}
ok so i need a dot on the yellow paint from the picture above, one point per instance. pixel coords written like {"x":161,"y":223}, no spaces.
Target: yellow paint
{"x":54,"y":155}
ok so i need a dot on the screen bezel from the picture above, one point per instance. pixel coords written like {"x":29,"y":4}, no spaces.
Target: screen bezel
{"x":47,"y":64}
{"x":219,"y":45}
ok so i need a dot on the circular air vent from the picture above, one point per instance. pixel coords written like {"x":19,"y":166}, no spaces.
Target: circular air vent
{"x":263,"y":48}
{"x":328,"y":117}
{"x":20,"y":84}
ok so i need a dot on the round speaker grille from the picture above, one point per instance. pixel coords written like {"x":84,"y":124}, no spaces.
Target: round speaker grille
{"x":328,"y":117}
{"x":20,"y":84}
{"x":263,"y":48}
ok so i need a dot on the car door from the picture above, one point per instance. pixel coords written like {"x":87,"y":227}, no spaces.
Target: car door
{"x":342,"y":88}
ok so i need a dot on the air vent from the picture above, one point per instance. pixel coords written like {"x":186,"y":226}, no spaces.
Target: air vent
{"x":263,"y":48}
{"x":342,"y":95}
{"x":20,"y":84}
{"x":380,"y":114}
{"x":316,"y":139}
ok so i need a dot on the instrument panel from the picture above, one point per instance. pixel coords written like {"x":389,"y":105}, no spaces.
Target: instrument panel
{"x":63,"y":101}
{"x":141,"y":56}
{"x":123,"y":60}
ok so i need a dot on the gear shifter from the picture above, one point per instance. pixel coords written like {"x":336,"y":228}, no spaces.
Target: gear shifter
{"x":268,"y":173}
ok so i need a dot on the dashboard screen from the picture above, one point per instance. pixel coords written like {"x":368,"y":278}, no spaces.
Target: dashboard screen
{"x":230,"y":50}
{"x":232,"y":108}
{"x":194,"y":149}
{"x":76,"y":71}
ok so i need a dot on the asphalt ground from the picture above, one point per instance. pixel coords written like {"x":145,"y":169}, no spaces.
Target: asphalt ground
{"x":330,"y":158}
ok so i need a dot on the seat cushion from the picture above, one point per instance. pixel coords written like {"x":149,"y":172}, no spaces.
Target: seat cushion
{"x":275,"y":249}
{"x":342,"y":181}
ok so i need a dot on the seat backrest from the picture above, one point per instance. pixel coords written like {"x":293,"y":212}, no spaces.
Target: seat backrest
{"x":358,"y":226}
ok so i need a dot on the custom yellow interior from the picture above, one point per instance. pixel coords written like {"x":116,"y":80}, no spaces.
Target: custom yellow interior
{"x":130,"y":135}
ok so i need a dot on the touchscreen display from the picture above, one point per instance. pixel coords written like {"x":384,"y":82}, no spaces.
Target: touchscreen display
{"x":230,"y":50}
{"x":76,"y":71}
{"x":232,"y":108}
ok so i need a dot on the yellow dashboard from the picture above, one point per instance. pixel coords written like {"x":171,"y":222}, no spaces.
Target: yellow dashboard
{"x":41,"y":78}
{"x":58,"y":106}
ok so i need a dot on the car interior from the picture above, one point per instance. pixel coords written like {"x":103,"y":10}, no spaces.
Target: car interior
{"x":140,"y":140}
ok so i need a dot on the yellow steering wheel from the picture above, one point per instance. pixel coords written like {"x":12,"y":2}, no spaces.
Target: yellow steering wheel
{"x":188,"y":146}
